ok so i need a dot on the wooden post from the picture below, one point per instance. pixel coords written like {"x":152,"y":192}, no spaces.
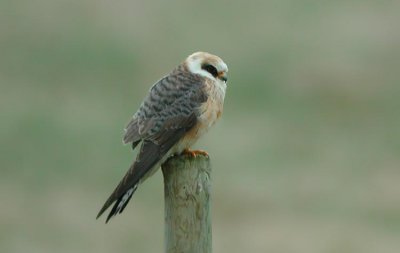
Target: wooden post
{"x":187,"y":190}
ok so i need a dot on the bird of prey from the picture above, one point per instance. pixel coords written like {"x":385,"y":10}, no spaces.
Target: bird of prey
{"x":179,"y":109}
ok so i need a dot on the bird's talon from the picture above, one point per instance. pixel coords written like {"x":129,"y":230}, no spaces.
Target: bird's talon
{"x":201,"y":152}
{"x":194,"y":153}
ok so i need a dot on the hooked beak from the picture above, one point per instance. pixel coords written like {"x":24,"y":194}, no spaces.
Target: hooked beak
{"x":222,"y":76}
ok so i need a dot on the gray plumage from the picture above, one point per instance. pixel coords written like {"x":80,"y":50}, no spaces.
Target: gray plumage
{"x":168,"y":112}
{"x":179,"y":109}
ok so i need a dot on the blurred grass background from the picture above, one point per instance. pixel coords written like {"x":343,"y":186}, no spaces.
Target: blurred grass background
{"x":306,"y":157}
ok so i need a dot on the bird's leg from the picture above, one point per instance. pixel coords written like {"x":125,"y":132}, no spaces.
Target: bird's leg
{"x":194,"y":153}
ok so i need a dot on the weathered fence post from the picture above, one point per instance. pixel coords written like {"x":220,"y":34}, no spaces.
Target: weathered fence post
{"x":187,"y":188}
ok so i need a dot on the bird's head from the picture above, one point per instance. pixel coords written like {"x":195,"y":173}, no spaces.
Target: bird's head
{"x":207,"y":65}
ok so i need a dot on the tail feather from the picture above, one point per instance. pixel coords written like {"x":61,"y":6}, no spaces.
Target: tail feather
{"x":147,"y":158}
{"x":152,"y":152}
{"x":121,"y":203}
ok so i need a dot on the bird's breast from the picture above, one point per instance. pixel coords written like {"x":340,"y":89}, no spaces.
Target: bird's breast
{"x":210,"y":112}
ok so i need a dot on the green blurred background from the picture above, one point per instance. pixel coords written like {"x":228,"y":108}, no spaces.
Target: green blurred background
{"x":305,"y":159}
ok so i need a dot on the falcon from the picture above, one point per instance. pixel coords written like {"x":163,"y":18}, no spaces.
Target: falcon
{"x":179,"y":108}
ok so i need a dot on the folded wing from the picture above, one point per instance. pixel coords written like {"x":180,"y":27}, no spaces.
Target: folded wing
{"x":168,"y":112}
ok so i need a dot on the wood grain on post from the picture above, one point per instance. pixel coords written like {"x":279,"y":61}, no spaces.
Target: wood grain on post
{"x":187,"y":188}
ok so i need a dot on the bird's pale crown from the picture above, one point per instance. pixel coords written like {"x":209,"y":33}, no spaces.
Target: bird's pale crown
{"x":208,"y":65}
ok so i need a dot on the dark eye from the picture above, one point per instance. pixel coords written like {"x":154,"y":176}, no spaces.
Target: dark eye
{"x":210,"y":69}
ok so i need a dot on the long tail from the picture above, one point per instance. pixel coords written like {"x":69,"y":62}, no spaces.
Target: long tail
{"x":150,"y":153}
{"x":121,"y":203}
